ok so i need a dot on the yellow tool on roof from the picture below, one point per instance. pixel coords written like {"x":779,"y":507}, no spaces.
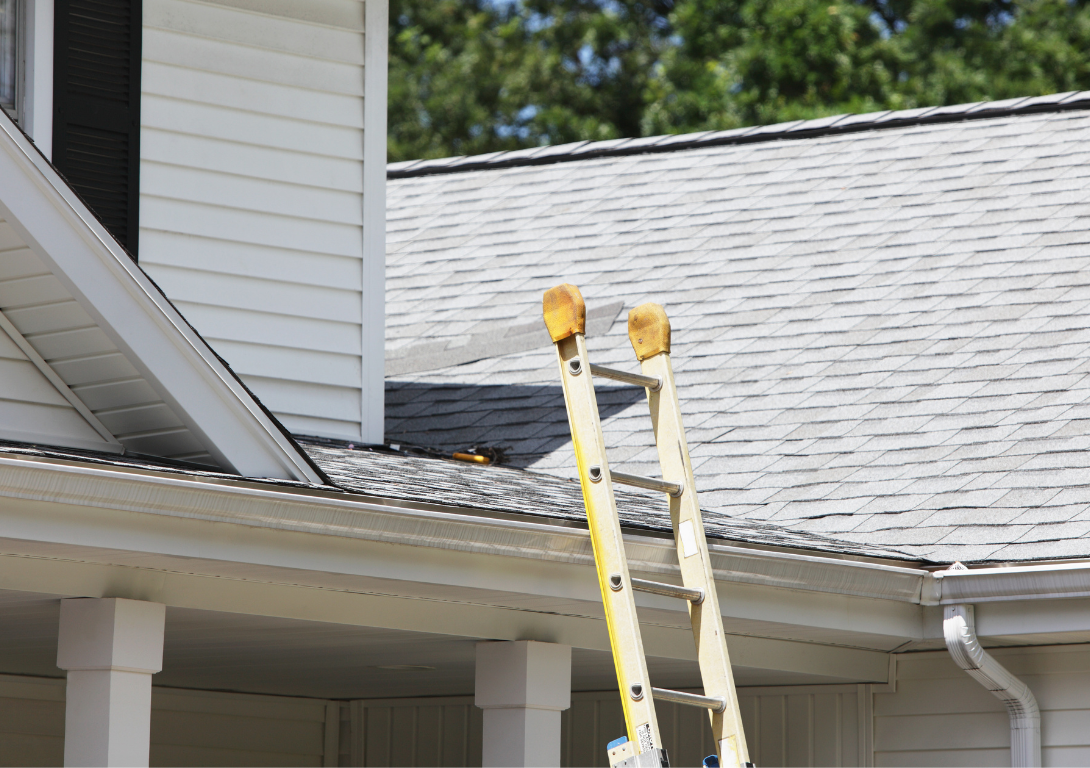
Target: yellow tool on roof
{"x":649,"y":332}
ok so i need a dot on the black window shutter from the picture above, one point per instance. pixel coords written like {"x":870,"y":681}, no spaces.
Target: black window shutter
{"x":96,"y":108}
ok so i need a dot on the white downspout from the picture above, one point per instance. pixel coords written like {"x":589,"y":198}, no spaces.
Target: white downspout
{"x":959,"y":628}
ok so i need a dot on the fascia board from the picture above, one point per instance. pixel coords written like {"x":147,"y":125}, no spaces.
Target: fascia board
{"x":131,"y":310}
{"x":477,"y":531}
{"x":343,"y":515}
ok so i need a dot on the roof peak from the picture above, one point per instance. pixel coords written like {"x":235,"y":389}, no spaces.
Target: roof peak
{"x":797,"y":129}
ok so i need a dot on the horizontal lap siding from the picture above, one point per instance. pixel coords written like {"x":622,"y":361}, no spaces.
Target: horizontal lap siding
{"x":204,"y":728}
{"x":251,"y":194}
{"x":187,"y":727}
{"x":83,"y":356}
{"x":940,"y":716}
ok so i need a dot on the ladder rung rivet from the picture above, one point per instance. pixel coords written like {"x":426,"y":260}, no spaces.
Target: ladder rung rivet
{"x":637,"y":691}
{"x":615,"y":582}
{"x":575,"y":366}
{"x":595,"y":473}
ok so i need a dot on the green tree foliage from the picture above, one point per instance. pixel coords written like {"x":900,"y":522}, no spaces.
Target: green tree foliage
{"x":475,"y":76}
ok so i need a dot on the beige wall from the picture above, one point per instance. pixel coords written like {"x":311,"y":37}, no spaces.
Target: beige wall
{"x":814,"y":725}
{"x":940,"y":716}
{"x":934,"y":715}
{"x":187,"y":727}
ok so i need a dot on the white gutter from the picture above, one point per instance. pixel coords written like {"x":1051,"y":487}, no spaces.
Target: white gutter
{"x":1027,"y":582}
{"x":959,"y":628}
{"x":322,"y":511}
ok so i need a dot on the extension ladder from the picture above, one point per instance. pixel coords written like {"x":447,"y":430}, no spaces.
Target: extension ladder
{"x":649,"y":332}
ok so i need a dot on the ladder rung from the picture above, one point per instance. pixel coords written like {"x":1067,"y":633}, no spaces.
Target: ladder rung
{"x":636,"y":379}
{"x":695,"y":596}
{"x":713,"y":703}
{"x":650,"y":483}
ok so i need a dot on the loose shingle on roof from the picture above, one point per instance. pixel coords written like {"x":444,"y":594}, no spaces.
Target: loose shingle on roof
{"x":435,"y":482}
{"x":532,"y":494}
{"x":882,"y":336}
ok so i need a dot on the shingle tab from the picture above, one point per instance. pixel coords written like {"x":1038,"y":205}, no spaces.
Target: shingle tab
{"x":883,"y":336}
{"x":503,"y":489}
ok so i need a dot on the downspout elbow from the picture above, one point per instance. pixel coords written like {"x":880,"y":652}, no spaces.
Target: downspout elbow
{"x":959,"y":629}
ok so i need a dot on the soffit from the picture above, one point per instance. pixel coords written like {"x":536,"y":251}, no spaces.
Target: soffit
{"x":288,"y":657}
{"x":82,"y":355}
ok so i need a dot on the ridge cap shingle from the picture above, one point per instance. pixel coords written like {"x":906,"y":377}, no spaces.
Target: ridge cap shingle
{"x":795,"y":129}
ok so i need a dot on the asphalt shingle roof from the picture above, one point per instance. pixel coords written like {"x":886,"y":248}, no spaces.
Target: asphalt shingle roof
{"x":431,"y":481}
{"x":880,"y":336}
{"x":533,"y":494}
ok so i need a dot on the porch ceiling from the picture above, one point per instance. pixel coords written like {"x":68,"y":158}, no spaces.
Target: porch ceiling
{"x":213,"y":650}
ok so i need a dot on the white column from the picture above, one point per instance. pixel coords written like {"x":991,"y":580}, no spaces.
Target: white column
{"x":373,"y":381}
{"x":522,"y":687}
{"x":111,"y":648}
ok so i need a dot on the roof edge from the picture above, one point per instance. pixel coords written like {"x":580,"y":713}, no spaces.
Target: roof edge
{"x":798,"y":129}
{"x":315,"y":510}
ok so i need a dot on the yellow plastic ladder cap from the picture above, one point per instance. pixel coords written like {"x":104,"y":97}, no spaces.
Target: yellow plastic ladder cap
{"x":565,"y":311}
{"x":649,"y":330}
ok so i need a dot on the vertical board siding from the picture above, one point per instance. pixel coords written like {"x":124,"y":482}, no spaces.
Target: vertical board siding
{"x":198,"y":728}
{"x":938,"y":715}
{"x":444,"y":731}
{"x":85,"y":359}
{"x":811,"y":726}
{"x":251,"y":193}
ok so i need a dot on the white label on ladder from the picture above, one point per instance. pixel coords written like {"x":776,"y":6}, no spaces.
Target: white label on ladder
{"x":728,"y":752}
{"x":688,"y":539}
{"x":643,"y":735}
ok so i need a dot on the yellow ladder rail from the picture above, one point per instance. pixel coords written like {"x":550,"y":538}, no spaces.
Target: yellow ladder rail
{"x":565,"y":316}
{"x":649,"y":332}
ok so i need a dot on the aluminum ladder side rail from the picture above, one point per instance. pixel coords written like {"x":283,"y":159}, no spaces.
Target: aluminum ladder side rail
{"x":565,"y":317}
{"x":649,"y":332}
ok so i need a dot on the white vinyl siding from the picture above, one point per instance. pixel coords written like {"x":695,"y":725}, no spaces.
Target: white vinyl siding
{"x":940,"y":716}
{"x":96,"y":372}
{"x":251,"y":207}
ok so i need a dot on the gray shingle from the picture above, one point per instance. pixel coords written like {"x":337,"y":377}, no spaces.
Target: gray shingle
{"x":899,"y":358}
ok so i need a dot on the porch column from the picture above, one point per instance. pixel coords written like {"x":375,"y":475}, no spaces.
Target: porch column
{"x":111,"y":648}
{"x":522,"y":687}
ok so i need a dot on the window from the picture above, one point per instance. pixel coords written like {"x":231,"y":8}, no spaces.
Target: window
{"x":10,"y":56}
